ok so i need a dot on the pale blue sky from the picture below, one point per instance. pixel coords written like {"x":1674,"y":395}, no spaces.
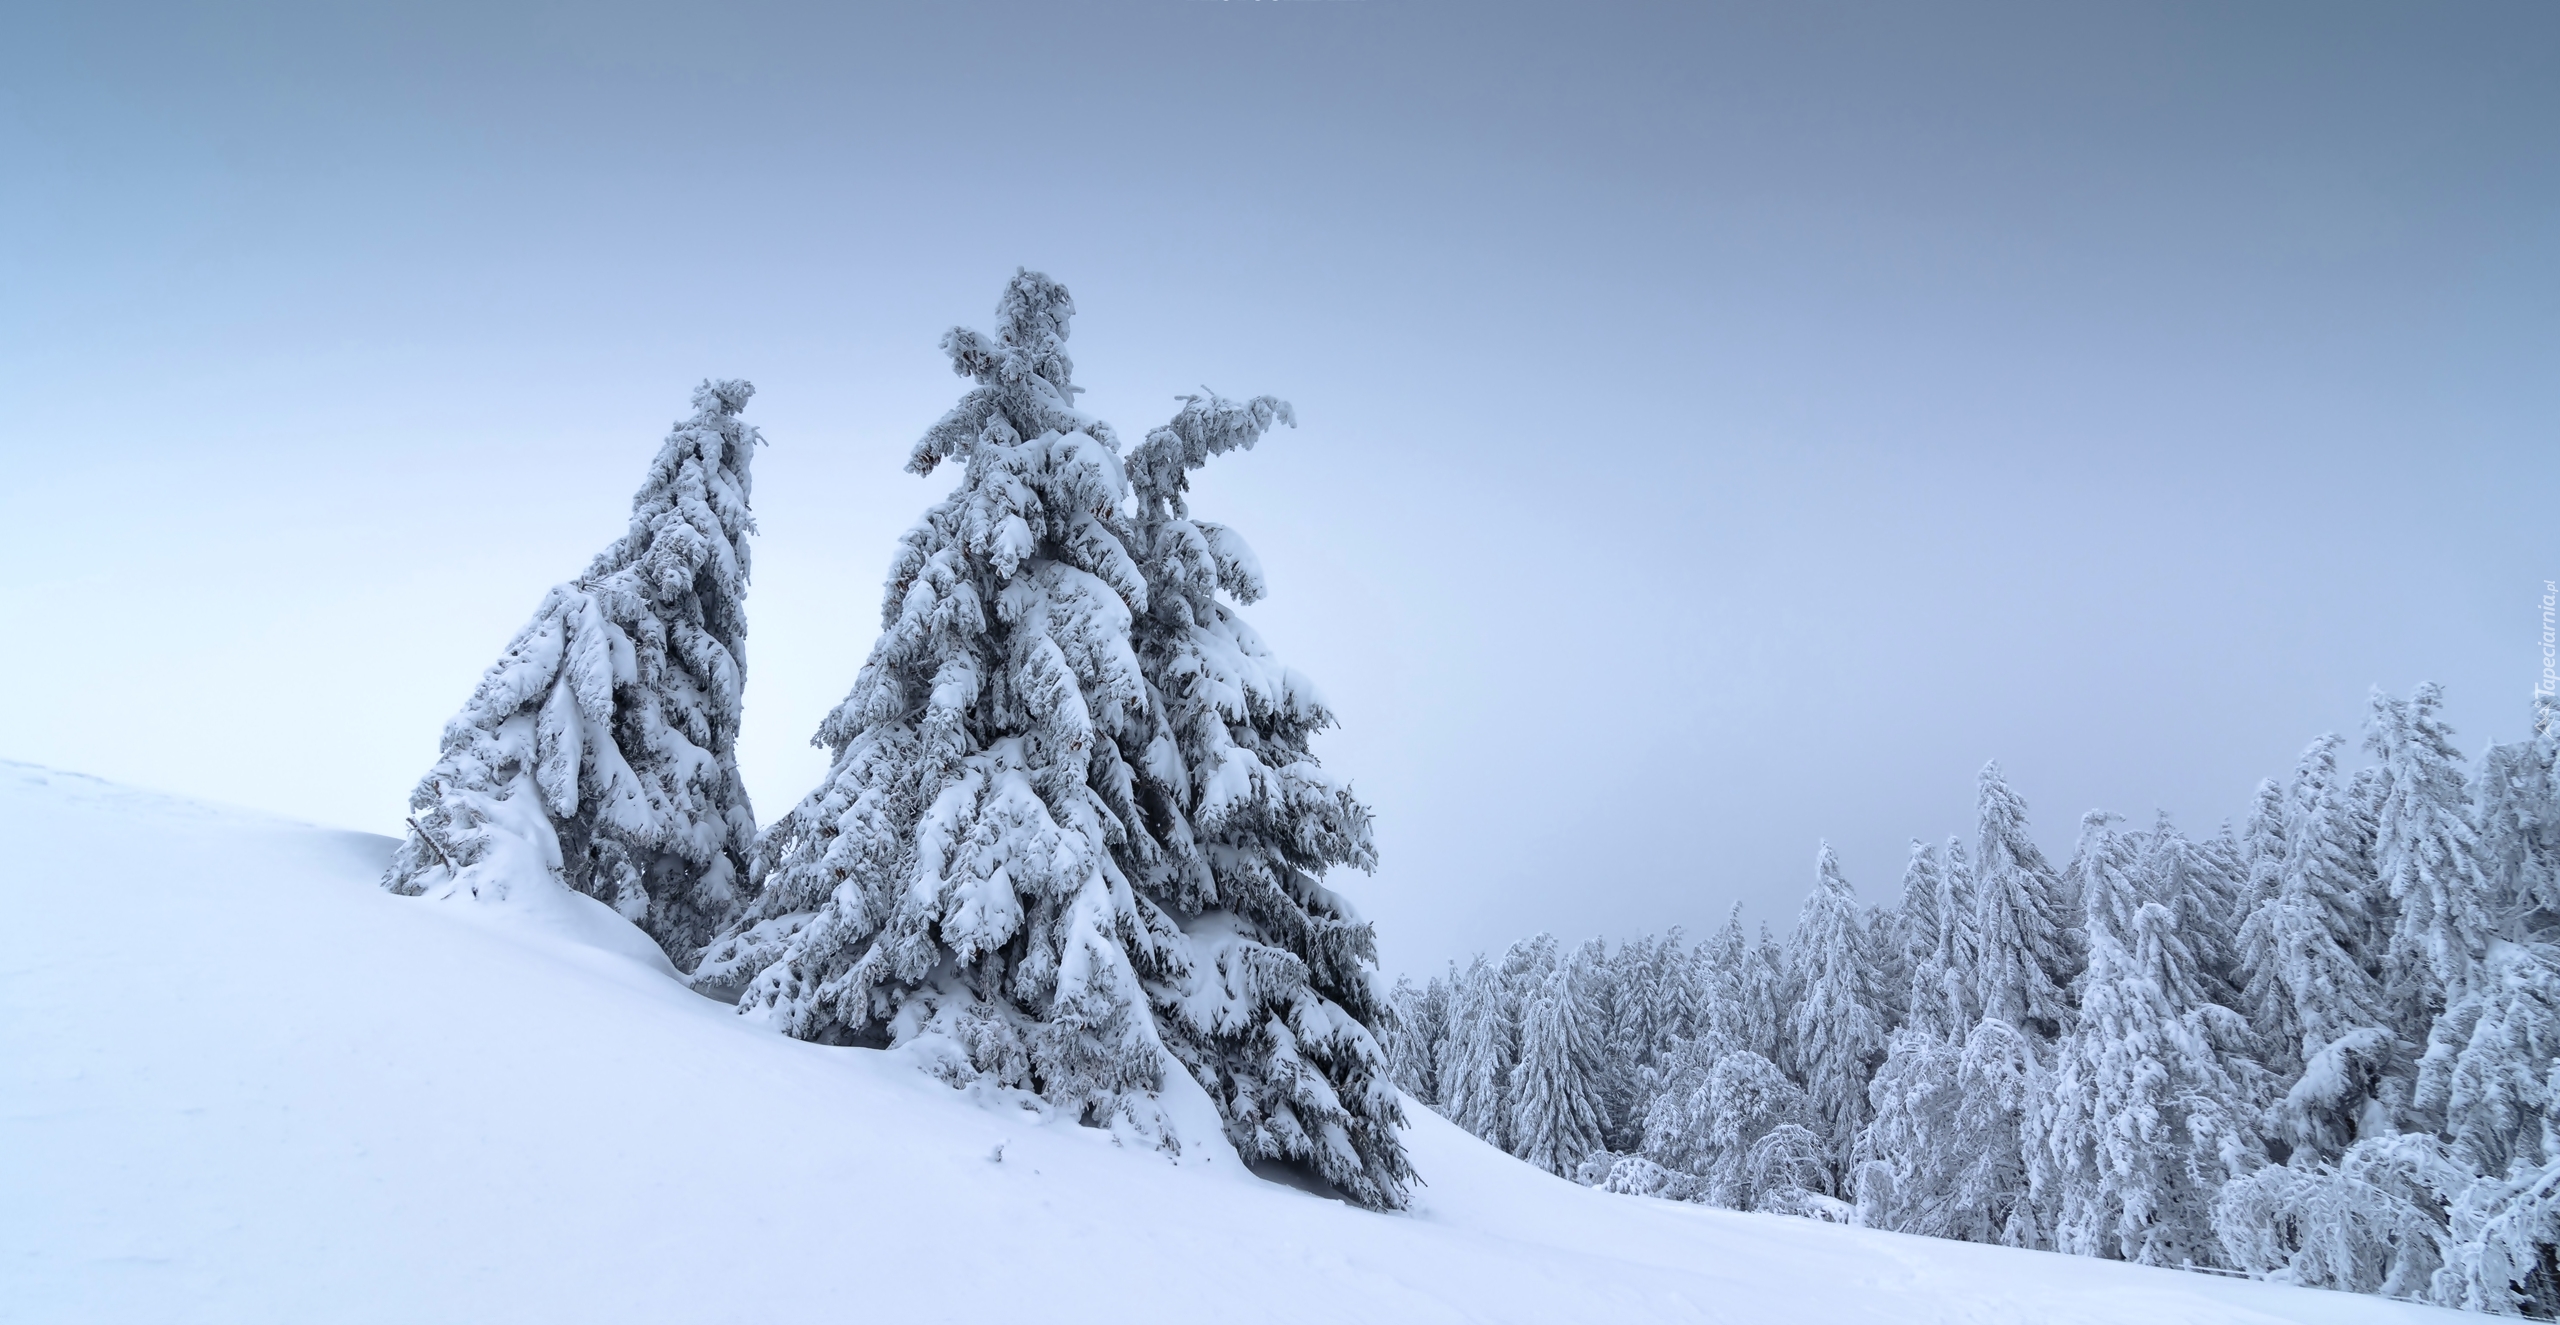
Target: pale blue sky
{"x":1723,"y":427}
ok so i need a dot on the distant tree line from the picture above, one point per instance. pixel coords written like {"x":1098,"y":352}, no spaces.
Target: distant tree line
{"x":2322,"y":1049}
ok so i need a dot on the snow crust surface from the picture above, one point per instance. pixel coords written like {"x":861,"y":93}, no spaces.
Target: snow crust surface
{"x":240,"y":1082}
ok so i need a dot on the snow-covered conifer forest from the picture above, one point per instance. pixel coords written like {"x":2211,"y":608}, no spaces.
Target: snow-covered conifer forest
{"x":623,"y":710}
{"x":2318,"y":1045}
{"x":1074,"y":847}
{"x":1074,"y":864}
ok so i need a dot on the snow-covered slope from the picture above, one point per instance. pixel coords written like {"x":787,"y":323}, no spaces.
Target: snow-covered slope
{"x":239,"y":1082}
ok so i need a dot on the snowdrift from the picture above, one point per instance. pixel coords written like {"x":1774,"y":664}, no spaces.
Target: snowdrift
{"x":240,"y":1082}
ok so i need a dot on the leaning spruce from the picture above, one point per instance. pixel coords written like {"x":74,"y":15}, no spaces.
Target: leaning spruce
{"x":601,"y":747}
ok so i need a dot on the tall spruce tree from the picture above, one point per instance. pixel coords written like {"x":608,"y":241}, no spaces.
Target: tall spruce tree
{"x":1946,"y":1154}
{"x":1768,"y":992}
{"x":953,"y":872}
{"x":2201,"y":884}
{"x":1556,"y":1118}
{"x":2488,"y":1072}
{"x":2493,"y":1073}
{"x":2426,"y":852}
{"x":1711,"y":1119}
{"x":2262,"y":839}
{"x":1833,"y":1026}
{"x":1683,"y":977}
{"x":1420,"y":1038}
{"x":1901,"y":1179}
{"x":2314,"y":965}
{"x":2519,"y":820}
{"x":1959,"y":959}
{"x":1888,"y":966}
{"x":1915,"y":931}
{"x":1725,"y":1014}
{"x":2275,"y":816}
{"x":2149,"y":1114}
{"x":1646,"y":981}
{"x":1236,"y":824}
{"x":1027,"y":805}
{"x":601,"y":748}
{"x":2029,"y":952}
{"x":1476,"y":1079}
{"x":2001,"y":1099}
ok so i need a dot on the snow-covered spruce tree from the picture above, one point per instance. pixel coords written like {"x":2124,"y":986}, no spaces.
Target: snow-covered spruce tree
{"x":2312,"y":964}
{"x":2488,"y":1070}
{"x":1888,"y":968}
{"x":2025,"y":926}
{"x":600,"y":749}
{"x":2201,"y":885}
{"x":2426,"y":851}
{"x":2462,"y":1212}
{"x":1419,"y":1041}
{"x":2519,"y":820}
{"x":1788,"y":1173}
{"x":2001,"y":1098}
{"x":1694,"y":984}
{"x":1555,"y":1104}
{"x":1944,"y":1154}
{"x":1915,"y":932}
{"x":1686,"y":992}
{"x":2149,"y":1111}
{"x":2262,"y":839}
{"x":1646,"y":981}
{"x":1956,"y":968}
{"x":2225,"y":859}
{"x":1713,"y":1124}
{"x":1524,"y":970}
{"x":987,"y":864}
{"x":2375,"y":1222}
{"x":1725,"y":1012}
{"x":1767,"y":992}
{"x":1676,"y":1118}
{"x":2277,"y":816}
{"x":2492,"y":1069}
{"x":2469,"y":1218}
{"x":2502,"y":1245}
{"x":953,"y":873}
{"x":1833,"y":1026}
{"x":1938,"y":919}
{"x":1517,"y":978}
{"x":1904,"y":1177}
{"x":1475,"y":1079}
{"x":1236,"y":825}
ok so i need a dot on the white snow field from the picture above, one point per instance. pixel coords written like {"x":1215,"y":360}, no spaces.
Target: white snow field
{"x":240,"y":1082}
